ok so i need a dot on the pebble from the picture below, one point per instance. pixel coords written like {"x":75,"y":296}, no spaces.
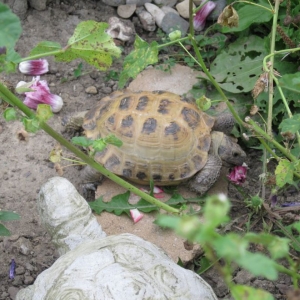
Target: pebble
{"x":126,"y":11}
{"x":12,"y":291}
{"x":173,"y":22}
{"x":138,"y":2}
{"x":167,"y":9}
{"x":170,"y":3}
{"x":38,"y":4}
{"x":20,"y":270}
{"x":147,"y":20}
{"x":28,"y":280}
{"x":118,"y":29}
{"x":106,"y":90}
{"x":114,"y":2}
{"x":91,"y":90}
{"x":24,"y":246}
{"x":183,"y":8}
{"x":156,"y":13}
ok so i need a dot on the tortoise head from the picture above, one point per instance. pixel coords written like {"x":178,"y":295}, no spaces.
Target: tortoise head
{"x":227,"y":149}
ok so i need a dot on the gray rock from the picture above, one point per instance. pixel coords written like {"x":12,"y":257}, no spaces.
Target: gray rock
{"x":24,"y":246}
{"x":183,"y":8}
{"x":91,"y":90}
{"x":220,"y":5}
{"x":138,"y":2}
{"x":121,"y":30}
{"x":126,"y":11}
{"x":156,"y":13}
{"x":114,"y":2}
{"x":146,"y":19}
{"x":13,"y":292}
{"x":173,"y":22}
{"x":170,"y":3}
{"x":167,"y":9}
{"x":38,"y":4}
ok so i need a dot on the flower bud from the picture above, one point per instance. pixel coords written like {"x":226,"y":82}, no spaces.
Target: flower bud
{"x":34,"y":67}
{"x":238,"y":174}
{"x":202,"y":14}
{"x":40,"y":94}
{"x":174,"y":35}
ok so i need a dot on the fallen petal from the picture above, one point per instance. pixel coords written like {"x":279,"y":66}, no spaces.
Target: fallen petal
{"x":238,"y":175}
{"x":34,"y":67}
{"x":202,"y":14}
{"x":136,"y":215}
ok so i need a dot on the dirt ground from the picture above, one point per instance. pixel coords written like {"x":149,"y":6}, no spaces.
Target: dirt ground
{"x":25,"y":165}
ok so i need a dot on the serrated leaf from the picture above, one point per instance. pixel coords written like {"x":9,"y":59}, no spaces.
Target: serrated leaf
{"x":45,"y":47}
{"x":291,"y":124}
{"x":10,"y":114}
{"x":143,"y":55}
{"x":290,"y":82}
{"x":4,"y":231}
{"x":44,"y":112}
{"x":244,"y":292}
{"x":284,"y":173}
{"x":99,"y":145}
{"x":8,"y":216}
{"x":91,"y":43}
{"x":245,"y":57}
{"x":82,"y":141}
{"x":249,"y":15}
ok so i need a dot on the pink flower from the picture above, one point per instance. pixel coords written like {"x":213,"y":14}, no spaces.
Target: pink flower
{"x":136,"y":215}
{"x":41,"y":95}
{"x":158,"y":193}
{"x":34,"y":67}
{"x":238,"y":174}
{"x":202,"y":14}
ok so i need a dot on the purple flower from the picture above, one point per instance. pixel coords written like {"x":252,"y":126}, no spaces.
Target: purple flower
{"x":12,"y":269}
{"x":238,"y":174}
{"x":34,"y":67}
{"x":41,"y":95}
{"x":202,"y":14}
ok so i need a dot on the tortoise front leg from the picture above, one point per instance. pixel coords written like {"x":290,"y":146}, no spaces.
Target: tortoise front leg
{"x":206,"y":177}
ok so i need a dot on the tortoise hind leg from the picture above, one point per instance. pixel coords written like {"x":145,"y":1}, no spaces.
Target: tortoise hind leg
{"x":92,"y":178}
{"x":206,"y":177}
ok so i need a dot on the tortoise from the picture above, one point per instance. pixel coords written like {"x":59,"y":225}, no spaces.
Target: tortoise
{"x":166,"y":138}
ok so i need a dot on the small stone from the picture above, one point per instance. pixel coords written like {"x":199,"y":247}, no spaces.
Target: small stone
{"x":20,"y":270}
{"x":17,"y":281}
{"x":13,"y":292}
{"x":138,"y":2}
{"x":114,"y":2}
{"x":156,"y":13}
{"x":169,"y":3}
{"x":183,"y":8}
{"x":106,"y":90}
{"x":121,"y":30}
{"x":24,"y":246}
{"x":167,"y":9}
{"x":29,"y":267}
{"x":28,"y":280}
{"x":38,"y":4}
{"x":14,"y":238}
{"x":19,"y":8}
{"x":91,"y":90}
{"x":173,"y":22}
{"x":147,"y":20}
{"x":126,"y":11}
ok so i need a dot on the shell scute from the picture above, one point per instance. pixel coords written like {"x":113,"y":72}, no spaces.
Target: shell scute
{"x":165,"y":138}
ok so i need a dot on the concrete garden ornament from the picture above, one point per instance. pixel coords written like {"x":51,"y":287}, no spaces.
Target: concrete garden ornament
{"x":94,"y":266}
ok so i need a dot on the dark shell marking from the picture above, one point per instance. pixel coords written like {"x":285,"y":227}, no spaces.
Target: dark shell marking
{"x":165,"y":138}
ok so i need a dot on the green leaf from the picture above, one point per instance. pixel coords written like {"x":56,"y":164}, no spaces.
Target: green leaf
{"x":249,"y":15}
{"x":113,"y":140}
{"x":291,"y":124}
{"x":290,"y":82}
{"x":10,"y":27}
{"x":31,"y":125}
{"x":205,"y":264}
{"x":99,"y":145}
{"x":45,"y":47}
{"x":119,"y":204}
{"x":8,"y":216}
{"x":284,"y":173}
{"x":82,"y":141}
{"x":10,"y":114}
{"x":143,"y":55}
{"x":166,"y":221}
{"x":44,"y":112}
{"x":244,"y":292}
{"x":245,"y":57}
{"x":78,"y":71}
{"x":91,"y":43}
{"x":4,"y":231}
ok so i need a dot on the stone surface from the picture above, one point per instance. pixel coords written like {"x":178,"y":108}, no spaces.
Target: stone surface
{"x":183,"y":8}
{"x":114,"y":2}
{"x":168,"y":9}
{"x":126,"y":11}
{"x":220,"y":5}
{"x":156,"y":13}
{"x":18,"y":7}
{"x":118,"y":29}
{"x":138,"y":2}
{"x":98,"y":267}
{"x":91,"y":90}
{"x":170,"y":3}
{"x":38,"y":4}
{"x":146,"y":19}
{"x":173,"y":22}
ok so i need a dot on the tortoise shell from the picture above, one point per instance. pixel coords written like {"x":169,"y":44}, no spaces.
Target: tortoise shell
{"x":165,"y":137}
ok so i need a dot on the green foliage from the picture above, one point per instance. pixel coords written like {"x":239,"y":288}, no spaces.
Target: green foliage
{"x":43,"y":112}
{"x":247,"y":292}
{"x":78,"y":71}
{"x":143,"y":55}
{"x":10,"y":114}
{"x":290,"y":125}
{"x":284,"y":172}
{"x":89,"y":42}
{"x":7,"y":216}
{"x":290,"y":82}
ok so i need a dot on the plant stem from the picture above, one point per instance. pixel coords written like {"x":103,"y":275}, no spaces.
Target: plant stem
{"x":11,"y":98}
{"x":41,"y":55}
